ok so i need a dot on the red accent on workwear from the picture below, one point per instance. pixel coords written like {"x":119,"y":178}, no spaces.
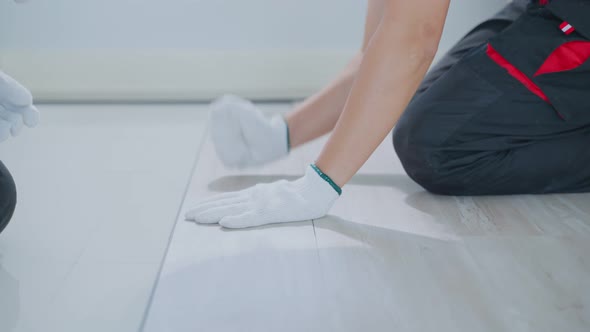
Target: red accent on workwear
{"x":567,"y":57}
{"x":543,"y":2}
{"x":516,"y":73}
{"x":566,"y":28}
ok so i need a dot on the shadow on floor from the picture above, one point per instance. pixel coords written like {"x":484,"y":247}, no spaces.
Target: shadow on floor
{"x":239,"y":182}
{"x":374,"y":236}
{"x":239,"y":286}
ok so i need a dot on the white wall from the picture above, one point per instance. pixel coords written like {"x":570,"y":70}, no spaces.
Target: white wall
{"x":203,"y":24}
{"x":182,"y":49}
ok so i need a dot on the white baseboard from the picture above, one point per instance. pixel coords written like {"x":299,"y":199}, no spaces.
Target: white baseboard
{"x":170,"y":75}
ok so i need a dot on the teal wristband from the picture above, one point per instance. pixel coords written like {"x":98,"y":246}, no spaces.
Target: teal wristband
{"x":327,"y":179}
{"x":288,"y":135}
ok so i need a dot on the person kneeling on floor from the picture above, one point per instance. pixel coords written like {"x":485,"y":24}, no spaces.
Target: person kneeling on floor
{"x":506,"y":111}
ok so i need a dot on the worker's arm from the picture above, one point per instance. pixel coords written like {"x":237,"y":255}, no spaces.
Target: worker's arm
{"x":394,"y":64}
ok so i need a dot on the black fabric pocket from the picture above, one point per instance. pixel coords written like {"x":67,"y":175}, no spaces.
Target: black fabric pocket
{"x":574,"y":12}
{"x":531,"y":42}
{"x":567,"y":80}
{"x":569,"y":92}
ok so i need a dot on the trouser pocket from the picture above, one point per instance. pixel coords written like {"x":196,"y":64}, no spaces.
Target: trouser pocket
{"x":550,"y":58}
{"x":567,"y":85}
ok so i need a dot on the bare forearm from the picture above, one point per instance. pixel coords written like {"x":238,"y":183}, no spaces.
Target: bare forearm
{"x":318,"y":115}
{"x":324,"y":108}
{"x":395,"y":62}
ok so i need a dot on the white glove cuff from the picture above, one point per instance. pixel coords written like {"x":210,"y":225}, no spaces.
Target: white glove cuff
{"x":320,"y":190}
{"x":281,"y":134}
{"x":325,"y":178}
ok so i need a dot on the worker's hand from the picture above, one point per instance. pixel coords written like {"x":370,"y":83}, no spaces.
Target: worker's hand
{"x":243,"y":136}
{"x":16,"y":107}
{"x":309,"y":197}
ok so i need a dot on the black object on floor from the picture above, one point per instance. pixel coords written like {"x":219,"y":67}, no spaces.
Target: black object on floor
{"x":7,"y":196}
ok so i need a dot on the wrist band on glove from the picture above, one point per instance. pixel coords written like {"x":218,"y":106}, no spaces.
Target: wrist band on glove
{"x":327,"y":179}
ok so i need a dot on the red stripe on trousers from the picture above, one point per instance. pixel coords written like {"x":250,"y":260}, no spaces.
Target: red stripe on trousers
{"x":516,"y":73}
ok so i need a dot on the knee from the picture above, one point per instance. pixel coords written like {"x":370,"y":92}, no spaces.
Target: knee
{"x":435,"y":169}
{"x":414,"y":154}
{"x":7,"y":195}
{"x":421,"y":155}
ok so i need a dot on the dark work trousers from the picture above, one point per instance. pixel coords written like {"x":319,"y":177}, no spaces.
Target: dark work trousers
{"x":507,"y":110}
{"x":7,"y":196}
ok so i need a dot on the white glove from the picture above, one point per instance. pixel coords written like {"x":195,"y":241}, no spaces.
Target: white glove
{"x":16,"y":107}
{"x":309,"y":197}
{"x":243,"y":136}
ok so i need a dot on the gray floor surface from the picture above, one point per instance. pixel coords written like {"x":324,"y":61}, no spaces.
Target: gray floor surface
{"x":389,"y":257}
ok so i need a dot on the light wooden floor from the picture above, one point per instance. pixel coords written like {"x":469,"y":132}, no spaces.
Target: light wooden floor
{"x":99,"y":187}
{"x":390,"y":257}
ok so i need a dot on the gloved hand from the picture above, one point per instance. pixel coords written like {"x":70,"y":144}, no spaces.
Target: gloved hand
{"x":243,"y":136}
{"x":16,"y":107}
{"x":309,"y":197}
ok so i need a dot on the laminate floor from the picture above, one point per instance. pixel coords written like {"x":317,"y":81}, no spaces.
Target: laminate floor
{"x":99,"y":188}
{"x":389,"y":257}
